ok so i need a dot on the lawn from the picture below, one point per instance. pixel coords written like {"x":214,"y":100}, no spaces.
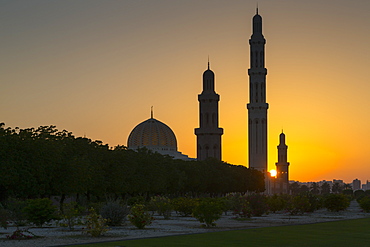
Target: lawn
{"x":338,"y":233}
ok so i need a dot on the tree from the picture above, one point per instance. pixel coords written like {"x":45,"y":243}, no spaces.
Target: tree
{"x":315,"y":188}
{"x":325,"y":188}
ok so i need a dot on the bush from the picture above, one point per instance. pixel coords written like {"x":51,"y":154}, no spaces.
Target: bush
{"x":114,"y":213}
{"x":162,"y":205}
{"x":16,"y":212}
{"x":298,"y":204}
{"x":336,"y":202}
{"x":258,"y":204}
{"x":276,"y":203}
{"x":239,"y":205}
{"x":184,"y":205}
{"x":132,"y":201}
{"x":40,"y":211}
{"x":365,"y":204}
{"x":20,"y":234}
{"x":207,"y":211}
{"x":4,"y":217}
{"x":96,"y":225}
{"x":315,"y":201}
{"x":139,"y":217}
{"x":71,"y":213}
{"x":359,"y":194}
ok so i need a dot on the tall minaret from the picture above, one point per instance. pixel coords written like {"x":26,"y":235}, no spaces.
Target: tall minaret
{"x":282,"y":166}
{"x":208,"y":134}
{"x":257,"y":107}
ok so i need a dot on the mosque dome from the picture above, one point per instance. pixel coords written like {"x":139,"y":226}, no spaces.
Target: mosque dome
{"x":154,"y":135}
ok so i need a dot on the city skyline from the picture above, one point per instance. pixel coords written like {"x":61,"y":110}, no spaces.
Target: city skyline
{"x":95,"y":68}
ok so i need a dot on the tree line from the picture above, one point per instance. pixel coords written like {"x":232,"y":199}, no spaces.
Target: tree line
{"x":44,"y":162}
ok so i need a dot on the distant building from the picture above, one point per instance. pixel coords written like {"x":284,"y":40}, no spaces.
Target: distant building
{"x":356,"y":184}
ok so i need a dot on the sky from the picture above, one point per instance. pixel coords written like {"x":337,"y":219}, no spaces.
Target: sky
{"x":96,"y":67}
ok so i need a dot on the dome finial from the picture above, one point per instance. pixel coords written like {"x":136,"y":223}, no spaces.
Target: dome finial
{"x":208,"y":62}
{"x":257,"y":9}
{"x":151,"y":112}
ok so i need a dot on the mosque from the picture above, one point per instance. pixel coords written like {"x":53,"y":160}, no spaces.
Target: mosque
{"x":158,"y":137}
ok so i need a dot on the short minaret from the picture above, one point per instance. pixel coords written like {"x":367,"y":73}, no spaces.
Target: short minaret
{"x":257,"y":107}
{"x":208,"y":134}
{"x":282,"y":166}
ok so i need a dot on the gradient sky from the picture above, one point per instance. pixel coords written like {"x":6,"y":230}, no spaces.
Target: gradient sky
{"x":96,"y":67}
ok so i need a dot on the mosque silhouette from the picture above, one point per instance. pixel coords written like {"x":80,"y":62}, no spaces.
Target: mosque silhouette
{"x":158,"y":137}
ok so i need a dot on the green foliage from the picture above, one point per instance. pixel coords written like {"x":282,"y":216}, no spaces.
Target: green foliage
{"x":40,"y":211}
{"x":239,"y":205}
{"x":336,"y":202}
{"x":316,"y":202}
{"x":207,"y":211}
{"x":184,"y":205}
{"x":139,"y":217}
{"x":298,"y":204}
{"x":258,"y":204}
{"x":162,"y":205}
{"x":71,"y":213}
{"x":4,"y":217}
{"x":114,"y":212}
{"x":365,"y":204}
{"x":136,"y":200}
{"x":358,"y":194}
{"x":16,"y":212}
{"x":96,"y":225}
{"x":276,"y":202}
{"x":41,"y":162}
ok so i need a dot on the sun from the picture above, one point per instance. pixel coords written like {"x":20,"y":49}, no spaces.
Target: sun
{"x":273,"y":173}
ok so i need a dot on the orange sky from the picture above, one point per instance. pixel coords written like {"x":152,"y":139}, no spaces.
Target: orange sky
{"x":96,"y":67}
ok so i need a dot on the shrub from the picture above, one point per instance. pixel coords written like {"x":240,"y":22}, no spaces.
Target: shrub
{"x":315,"y":201}
{"x":276,"y":203}
{"x":184,"y":205}
{"x":298,"y":204}
{"x":258,"y":204}
{"x":359,"y":194}
{"x":336,"y":202}
{"x":16,"y":212}
{"x":162,"y":205}
{"x":40,"y":211}
{"x":136,"y":200}
{"x":365,"y":204}
{"x":4,"y":217}
{"x":139,"y":217}
{"x":239,"y":205}
{"x":114,"y":213}
{"x":96,"y":225}
{"x":71,"y":213}
{"x":207,"y":211}
{"x":21,"y":234}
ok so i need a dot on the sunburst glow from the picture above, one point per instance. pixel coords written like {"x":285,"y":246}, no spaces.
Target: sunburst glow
{"x":273,"y":173}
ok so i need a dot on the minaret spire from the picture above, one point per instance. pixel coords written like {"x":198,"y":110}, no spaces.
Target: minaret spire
{"x":151,"y":112}
{"x":282,"y":166}
{"x":257,"y":106}
{"x":209,"y":133}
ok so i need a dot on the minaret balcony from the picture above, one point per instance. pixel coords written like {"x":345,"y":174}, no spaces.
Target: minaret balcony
{"x":257,"y":71}
{"x":209,"y":131}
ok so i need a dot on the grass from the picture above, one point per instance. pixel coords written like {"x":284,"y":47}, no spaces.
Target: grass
{"x":338,"y":233}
